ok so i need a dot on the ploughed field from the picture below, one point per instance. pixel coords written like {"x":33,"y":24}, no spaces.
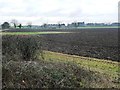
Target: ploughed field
{"x":99,"y":43}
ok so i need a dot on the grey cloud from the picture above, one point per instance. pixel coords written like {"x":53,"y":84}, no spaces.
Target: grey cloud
{"x":76,"y":13}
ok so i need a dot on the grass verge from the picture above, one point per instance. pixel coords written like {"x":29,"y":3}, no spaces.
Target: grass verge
{"x":110,"y":68}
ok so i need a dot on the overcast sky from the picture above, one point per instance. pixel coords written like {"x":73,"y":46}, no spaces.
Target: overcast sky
{"x":62,"y":11}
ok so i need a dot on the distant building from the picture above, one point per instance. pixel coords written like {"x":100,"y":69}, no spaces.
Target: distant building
{"x":90,"y":24}
{"x":115,"y":24}
{"x":76,"y":24}
{"x":53,"y":26}
{"x":62,"y":25}
{"x":5,"y":25}
{"x":99,"y":24}
{"x":81,"y":24}
{"x":71,"y":25}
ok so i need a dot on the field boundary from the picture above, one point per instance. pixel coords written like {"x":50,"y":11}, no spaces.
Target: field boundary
{"x":88,"y":58}
{"x":107,"y":67}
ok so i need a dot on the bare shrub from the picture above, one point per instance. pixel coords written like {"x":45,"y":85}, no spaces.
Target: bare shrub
{"x":21,"y":47}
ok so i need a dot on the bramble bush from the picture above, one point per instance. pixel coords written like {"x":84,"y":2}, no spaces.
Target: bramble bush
{"x":33,"y":74}
{"x":22,"y":47}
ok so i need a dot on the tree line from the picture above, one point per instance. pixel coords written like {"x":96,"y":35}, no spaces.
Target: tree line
{"x":15,"y":24}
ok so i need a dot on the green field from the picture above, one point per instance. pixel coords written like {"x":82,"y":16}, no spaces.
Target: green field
{"x":30,"y":33}
{"x":99,"y":27}
{"x":85,"y":27}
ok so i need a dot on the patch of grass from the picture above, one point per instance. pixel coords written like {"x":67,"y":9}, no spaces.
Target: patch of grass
{"x":103,"y":66}
{"x":99,"y":27}
{"x":30,"y":33}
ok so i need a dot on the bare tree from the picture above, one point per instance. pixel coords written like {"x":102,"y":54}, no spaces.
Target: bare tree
{"x":44,"y":25}
{"x":29,"y":24}
{"x":59,"y":24}
{"x":14,"y":22}
{"x":20,"y":25}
